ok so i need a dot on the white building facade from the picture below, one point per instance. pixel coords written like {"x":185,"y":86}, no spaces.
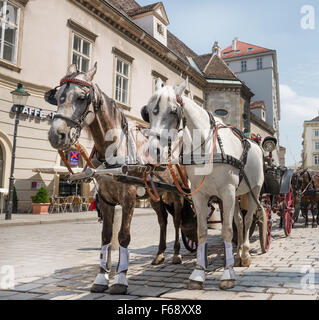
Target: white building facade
{"x":257,"y":68}
{"x":310,"y":152}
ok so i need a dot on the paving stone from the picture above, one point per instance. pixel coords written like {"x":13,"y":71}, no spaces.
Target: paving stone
{"x":293,"y":297}
{"x":183,"y":294}
{"x":149,"y":291}
{"x":24,"y":296}
{"x":156,"y":283}
{"x":278,"y":290}
{"x":120,"y":297}
{"x":27,"y":287}
{"x":87,"y":296}
{"x":304,"y":291}
{"x":48,"y":280}
{"x":59,"y":295}
{"x":252,"y":296}
{"x":4,"y":293}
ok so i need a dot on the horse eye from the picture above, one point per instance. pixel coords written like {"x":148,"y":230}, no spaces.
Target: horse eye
{"x":156,"y":109}
{"x":82,"y":97}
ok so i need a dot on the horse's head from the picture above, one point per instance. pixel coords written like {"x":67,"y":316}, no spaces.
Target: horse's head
{"x":75,"y":98}
{"x":164,"y":113}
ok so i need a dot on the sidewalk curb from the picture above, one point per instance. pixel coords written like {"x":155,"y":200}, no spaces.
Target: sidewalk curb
{"x":32,"y":223}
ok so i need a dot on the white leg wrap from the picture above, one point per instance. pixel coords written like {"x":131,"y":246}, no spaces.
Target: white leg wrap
{"x":229,"y":254}
{"x":120,"y":278}
{"x":229,"y":274}
{"x":102,"y":279}
{"x":197,"y":275}
{"x":103,"y":257}
{"x":124,"y":259}
{"x":202,"y":255}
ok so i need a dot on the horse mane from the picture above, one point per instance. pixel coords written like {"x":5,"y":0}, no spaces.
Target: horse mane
{"x":114,"y":110}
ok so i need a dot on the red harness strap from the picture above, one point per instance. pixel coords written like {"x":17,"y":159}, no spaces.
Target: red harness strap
{"x":76,"y":81}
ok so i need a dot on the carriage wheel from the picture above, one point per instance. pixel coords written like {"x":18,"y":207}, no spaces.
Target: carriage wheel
{"x":265,"y":226}
{"x":189,"y":244}
{"x":288,"y":212}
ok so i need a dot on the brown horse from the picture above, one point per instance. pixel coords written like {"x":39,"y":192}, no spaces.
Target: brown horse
{"x":306,"y":189}
{"x":81,"y":104}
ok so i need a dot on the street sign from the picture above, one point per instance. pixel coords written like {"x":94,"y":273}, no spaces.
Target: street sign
{"x":74,"y":158}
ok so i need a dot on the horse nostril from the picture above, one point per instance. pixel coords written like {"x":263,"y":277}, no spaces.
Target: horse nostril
{"x":62,"y":136}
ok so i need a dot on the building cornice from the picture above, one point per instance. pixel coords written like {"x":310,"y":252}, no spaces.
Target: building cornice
{"x":34,"y":89}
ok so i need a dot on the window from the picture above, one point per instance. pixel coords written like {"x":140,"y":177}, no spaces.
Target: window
{"x":249,"y":49}
{"x":81,"y":53}
{"x":316,"y":159}
{"x":122,"y":80}
{"x":244,"y":65}
{"x":317,"y":145}
{"x":259,"y":63}
{"x":9,"y":28}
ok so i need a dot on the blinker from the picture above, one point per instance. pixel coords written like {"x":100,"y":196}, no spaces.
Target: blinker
{"x":49,"y":97}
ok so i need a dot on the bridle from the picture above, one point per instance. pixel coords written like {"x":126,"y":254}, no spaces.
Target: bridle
{"x":78,"y":123}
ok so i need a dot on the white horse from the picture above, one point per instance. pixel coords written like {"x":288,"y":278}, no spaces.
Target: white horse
{"x":165,"y":111}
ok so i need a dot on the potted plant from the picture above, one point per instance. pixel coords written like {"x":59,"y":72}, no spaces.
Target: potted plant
{"x":41,"y":202}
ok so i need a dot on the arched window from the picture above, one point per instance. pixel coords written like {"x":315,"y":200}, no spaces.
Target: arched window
{"x":1,"y":167}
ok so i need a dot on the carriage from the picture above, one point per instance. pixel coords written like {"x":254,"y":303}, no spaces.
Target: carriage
{"x":276,"y":197}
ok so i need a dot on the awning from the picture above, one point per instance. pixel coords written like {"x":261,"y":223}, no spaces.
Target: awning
{"x":55,"y":170}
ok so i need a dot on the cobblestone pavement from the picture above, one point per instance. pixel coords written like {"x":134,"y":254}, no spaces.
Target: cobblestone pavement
{"x":61,"y":261}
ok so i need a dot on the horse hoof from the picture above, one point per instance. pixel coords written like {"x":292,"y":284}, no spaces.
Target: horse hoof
{"x":118,"y":289}
{"x":245,"y":262}
{"x":177,"y":259}
{"x":98,"y":288}
{"x":158,"y":260}
{"x":226,"y":284}
{"x":314,"y":226}
{"x":195,"y":285}
{"x":237,"y":262}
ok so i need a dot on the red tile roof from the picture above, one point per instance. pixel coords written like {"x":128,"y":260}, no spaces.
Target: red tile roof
{"x":242,"y":49}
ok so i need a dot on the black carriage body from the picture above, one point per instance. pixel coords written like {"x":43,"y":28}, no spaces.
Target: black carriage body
{"x":277,"y":181}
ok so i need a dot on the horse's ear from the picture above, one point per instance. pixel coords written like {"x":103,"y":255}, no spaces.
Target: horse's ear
{"x":179,"y":90}
{"x":72,"y":69}
{"x":91,"y":73}
{"x":159,"y":84}
{"x":145,"y":114}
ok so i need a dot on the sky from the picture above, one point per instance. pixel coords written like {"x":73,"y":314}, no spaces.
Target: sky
{"x":271,"y":24}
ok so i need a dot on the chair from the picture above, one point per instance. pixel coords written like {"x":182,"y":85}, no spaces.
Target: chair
{"x":78,"y":203}
{"x":68,"y":205}
{"x":62,"y":202}
{"x":87,"y":203}
{"x":54,"y":205}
